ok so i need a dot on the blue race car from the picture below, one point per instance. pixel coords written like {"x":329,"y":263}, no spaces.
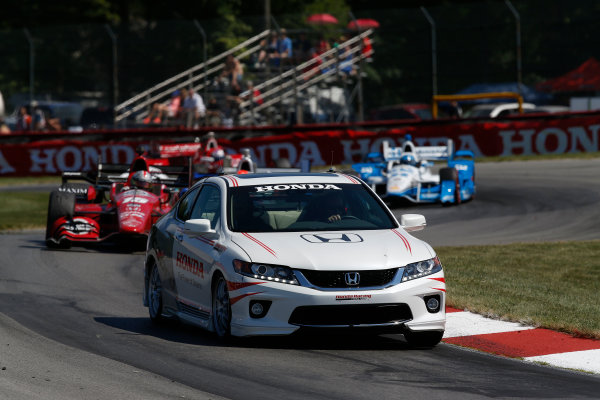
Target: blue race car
{"x":409,"y":172}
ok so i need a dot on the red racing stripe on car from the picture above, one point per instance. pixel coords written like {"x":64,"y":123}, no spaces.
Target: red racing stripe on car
{"x":261,"y":244}
{"x":231,"y":179}
{"x":204,"y":240}
{"x":441,"y":290}
{"x":405,"y":240}
{"x":443,"y":280}
{"x":233,"y":286}
{"x":234,"y":300}
{"x":351,"y":179}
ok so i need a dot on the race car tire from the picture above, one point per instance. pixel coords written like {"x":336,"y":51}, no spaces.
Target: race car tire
{"x":448,"y":174}
{"x":154,"y":290}
{"x":426,"y":339}
{"x":221,"y":308}
{"x":451,"y":174}
{"x":60,"y":204}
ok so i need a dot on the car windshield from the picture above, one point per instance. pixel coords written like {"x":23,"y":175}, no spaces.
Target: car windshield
{"x":305,"y":207}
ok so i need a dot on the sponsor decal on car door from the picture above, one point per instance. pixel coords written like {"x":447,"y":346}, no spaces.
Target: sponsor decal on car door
{"x":194,"y":254}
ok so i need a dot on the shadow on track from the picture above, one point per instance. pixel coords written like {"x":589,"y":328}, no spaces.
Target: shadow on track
{"x":174,"y":331}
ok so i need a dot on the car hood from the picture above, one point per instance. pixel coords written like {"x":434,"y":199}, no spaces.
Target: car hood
{"x":339,"y":250}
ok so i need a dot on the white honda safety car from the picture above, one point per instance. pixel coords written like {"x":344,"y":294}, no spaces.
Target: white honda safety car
{"x":272,"y":254}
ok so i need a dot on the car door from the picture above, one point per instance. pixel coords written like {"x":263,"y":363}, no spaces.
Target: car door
{"x":194,"y":255}
{"x":165,"y":236}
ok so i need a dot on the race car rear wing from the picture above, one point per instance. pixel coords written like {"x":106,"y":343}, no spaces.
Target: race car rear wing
{"x":107,"y":174}
{"x":431,"y":153}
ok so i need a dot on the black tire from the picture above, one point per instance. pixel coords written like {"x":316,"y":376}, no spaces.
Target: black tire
{"x":60,"y":204}
{"x":154,"y":292}
{"x":451,"y":174}
{"x":221,"y":308}
{"x":448,"y":174}
{"x":426,"y":339}
{"x":283,"y":163}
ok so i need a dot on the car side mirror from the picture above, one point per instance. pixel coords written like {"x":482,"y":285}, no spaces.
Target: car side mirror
{"x":199,"y":227}
{"x":412,"y":222}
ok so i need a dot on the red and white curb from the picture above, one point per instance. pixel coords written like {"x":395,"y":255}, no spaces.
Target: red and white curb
{"x":515,"y":340}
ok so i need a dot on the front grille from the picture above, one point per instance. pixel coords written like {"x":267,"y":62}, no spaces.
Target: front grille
{"x":336,"y":279}
{"x":351,"y":315}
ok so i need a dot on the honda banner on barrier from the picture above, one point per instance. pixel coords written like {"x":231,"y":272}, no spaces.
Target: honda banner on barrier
{"x":567,"y":134}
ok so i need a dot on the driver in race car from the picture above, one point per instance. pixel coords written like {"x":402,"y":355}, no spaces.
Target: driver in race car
{"x":141,"y":180}
{"x":408,"y":159}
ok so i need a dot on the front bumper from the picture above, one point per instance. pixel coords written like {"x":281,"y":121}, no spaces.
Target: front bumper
{"x":291,"y":308}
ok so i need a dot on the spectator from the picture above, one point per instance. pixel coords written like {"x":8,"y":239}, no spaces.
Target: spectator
{"x":23,"y":120}
{"x":367,"y":47}
{"x":38,"y":119}
{"x":284,"y":47}
{"x":232,"y":74}
{"x":214,"y":114}
{"x":160,"y":112}
{"x":270,"y":50}
{"x":4,"y":129}
{"x":193,"y":109}
{"x":345,"y":57}
{"x":322,"y":45}
{"x":302,"y":49}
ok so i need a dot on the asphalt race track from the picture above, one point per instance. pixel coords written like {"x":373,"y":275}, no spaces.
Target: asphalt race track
{"x":85,"y":334}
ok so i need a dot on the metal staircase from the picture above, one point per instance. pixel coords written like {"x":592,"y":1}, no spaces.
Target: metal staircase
{"x":283,"y":89}
{"x":197,"y":77}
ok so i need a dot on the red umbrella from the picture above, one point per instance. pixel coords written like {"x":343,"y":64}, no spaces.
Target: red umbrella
{"x":363,"y":23}
{"x":322,"y":19}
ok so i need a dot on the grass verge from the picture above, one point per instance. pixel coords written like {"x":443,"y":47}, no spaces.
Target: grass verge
{"x":23,"y":210}
{"x":550,"y":285}
{"x":31,"y":180}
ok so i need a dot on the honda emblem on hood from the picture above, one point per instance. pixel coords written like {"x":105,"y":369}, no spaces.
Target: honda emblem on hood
{"x":352,"y":278}
{"x":333,"y":238}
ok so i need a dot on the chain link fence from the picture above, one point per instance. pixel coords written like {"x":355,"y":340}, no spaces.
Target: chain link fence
{"x":415,"y":57}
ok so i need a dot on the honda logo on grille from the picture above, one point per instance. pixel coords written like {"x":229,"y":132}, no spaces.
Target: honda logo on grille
{"x":352,"y":278}
{"x":333,"y":238}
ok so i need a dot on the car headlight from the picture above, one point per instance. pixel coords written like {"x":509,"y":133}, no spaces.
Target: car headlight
{"x":267,"y":272}
{"x":421,"y":268}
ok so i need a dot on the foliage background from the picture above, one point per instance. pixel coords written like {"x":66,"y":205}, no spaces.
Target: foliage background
{"x":476,"y":42}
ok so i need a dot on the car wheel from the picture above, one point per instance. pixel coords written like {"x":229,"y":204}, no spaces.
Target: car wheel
{"x":426,"y":339}
{"x":221,"y":308}
{"x":451,"y":174}
{"x":155,"y":301}
{"x":59,"y":205}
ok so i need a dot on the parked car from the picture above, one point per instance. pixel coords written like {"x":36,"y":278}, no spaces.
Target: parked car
{"x":401,"y":111}
{"x":58,"y":114}
{"x":495,"y":110}
{"x":274,"y":254}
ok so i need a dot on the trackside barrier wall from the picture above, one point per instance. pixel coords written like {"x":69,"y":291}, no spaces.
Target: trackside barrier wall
{"x":49,"y":154}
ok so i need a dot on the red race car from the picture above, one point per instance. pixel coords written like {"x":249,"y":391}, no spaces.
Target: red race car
{"x":118,"y":202}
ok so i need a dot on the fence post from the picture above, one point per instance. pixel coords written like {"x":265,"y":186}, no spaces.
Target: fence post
{"x":205,"y":89}
{"x":361,"y":111}
{"x":515,"y":13}
{"x":433,"y":51}
{"x":31,"y":64}
{"x":115,"y":72}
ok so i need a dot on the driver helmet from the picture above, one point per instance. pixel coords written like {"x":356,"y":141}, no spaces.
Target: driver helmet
{"x":141,"y":180}
{"x":408,"y":159}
